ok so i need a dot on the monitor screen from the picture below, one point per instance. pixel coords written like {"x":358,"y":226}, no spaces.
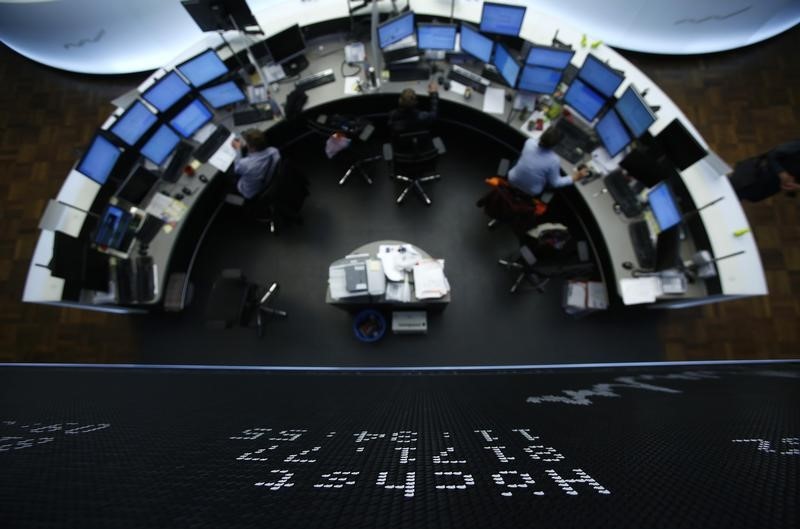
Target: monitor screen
{"x":634,"y":111}
{"x":160,"y":145}
{"x":663,"y":206}
{"x":477,"y":45}
{"x":113,"y":228}
{"x":137,"y":186}
{"x":191,"y":118}
{"x":436,"y":37}
{"x":539,"y":80}
{"x":203,"y":68}
{"x":99,"y":159}
{"x":502,"y":19}
{"x":584,"y":99}
{"x":557,"y":58}
{"x":132,"y":125}
{"x":166,"y":91}
{"x":396,"y":29}
{"x":679,"y":145}
{"x":612,"y":133}
{"x":506,"y":65}
{"x":223,"y":94}
{"x":601,"y":76}
{"x":287,"y":44}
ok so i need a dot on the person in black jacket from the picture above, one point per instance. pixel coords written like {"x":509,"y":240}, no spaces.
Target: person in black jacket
{"x":408,"y":117}
{"x":761,"y":177}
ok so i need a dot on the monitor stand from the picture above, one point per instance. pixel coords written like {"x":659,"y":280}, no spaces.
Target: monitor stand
{"x":295,"y":65}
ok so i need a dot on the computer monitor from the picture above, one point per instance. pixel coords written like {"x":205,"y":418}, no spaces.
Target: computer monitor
{"x":634,"y":111}
{"x":506,"y":65}
{"x":191,"y":118}
{"x":137,"y":186}
{"x":203,"y":68}
{"x":99,"y":159}
{"x":600,"y":76}
{"x":160,"y":145}
{"x":548,"y":56}
{"x":436,"y":36}
{"x":668,"y":249}
{"x":213,"y":15}
{"x":133,"y":123}
{"x":287,"y":44}
{"x":612,"y":133}
{"x":584,"y":99}
{"x":539,"y":80}
{"x":502,"y":19}
{"x":222,"y":95}
{"x":477,"y":45}
{"x":396,"y":29}
{"x":662,"y":204}
{"x":166,"y":91}
{"x":114,"y":229}
{"x":680,"y":145}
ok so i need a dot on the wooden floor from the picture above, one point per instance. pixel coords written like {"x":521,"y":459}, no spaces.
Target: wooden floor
{"x":742,"y":102}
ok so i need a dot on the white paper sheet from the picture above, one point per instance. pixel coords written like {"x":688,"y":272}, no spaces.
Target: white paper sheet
{"x":352,"y":85}
{"x":457,"y":88}
{"x":640,"y":290}
{"x":223,"y":158}
{"x":494,"y":101}
{"x":429,"y":280}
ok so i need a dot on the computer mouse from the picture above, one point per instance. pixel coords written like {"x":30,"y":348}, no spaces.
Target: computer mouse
{"x":441,"y":80}
{"x":509,"y":96}
{"x":203,"y":178}
{"x":446,"y":85}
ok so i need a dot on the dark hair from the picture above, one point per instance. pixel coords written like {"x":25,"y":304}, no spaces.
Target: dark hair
{"x":255,"y":139}
{"x":550,"y":138}
{"x":408,"y":98}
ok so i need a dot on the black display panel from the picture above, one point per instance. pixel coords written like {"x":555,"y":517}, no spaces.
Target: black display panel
{"x":676,"y":446}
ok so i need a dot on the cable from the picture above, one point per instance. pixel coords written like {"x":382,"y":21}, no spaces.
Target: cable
{"x":341,"y":69}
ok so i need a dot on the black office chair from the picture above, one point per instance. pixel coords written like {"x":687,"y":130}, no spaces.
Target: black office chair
{"x":234,"y":302}
{"x":412,"y":159}
{"x":357,"y":155}
{"x":525,"y":265}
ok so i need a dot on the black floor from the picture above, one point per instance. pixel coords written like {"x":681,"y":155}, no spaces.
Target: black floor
{"x":483,"y":325}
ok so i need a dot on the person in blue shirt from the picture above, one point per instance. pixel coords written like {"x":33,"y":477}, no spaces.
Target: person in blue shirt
{"x":538,"y":166}
{"x":255,"y":163}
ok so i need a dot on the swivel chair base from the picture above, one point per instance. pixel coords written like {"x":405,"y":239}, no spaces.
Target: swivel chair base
{"x":359,"y":166}
{"x":263,"y":310}
{"x":527,"y":272}
{"x":416,"y":184}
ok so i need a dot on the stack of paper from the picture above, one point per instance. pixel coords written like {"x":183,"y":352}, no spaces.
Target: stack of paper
{"x":640,"y":290}
{"x":166,"y":208}
{"x":429,"y":280}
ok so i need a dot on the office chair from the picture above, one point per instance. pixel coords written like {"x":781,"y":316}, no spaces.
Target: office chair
{"x":356,"y":156}
{"x":234,"y":302}
{"x":412,"y":159}
{"x":525,"y":265}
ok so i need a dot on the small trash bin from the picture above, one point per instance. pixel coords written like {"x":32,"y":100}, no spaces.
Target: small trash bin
{"x":369,"y":325}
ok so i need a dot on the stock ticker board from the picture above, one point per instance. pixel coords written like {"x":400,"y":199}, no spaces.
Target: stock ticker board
{"x":685,"y":446}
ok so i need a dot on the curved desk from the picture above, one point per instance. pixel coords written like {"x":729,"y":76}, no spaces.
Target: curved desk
{"x":741,"y":276}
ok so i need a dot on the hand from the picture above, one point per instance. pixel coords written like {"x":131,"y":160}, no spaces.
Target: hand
{"x":788,"y":181}
{"x":433,"y":86}
{"x":236,"y":143}
{"x":581,"y":172}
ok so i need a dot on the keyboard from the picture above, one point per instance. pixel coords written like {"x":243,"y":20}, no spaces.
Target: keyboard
{"x":175,"y":168}
{"x":416,"y":73}
{"x":467,"y":78}
{"x":642,"y":244}
{"x":315,"y":80}
{"x":617,"y":185}
{"x":207,"y":149}
{"x":253,"y":115}
{"x":399,"y":54}
{"x":575,"y":144}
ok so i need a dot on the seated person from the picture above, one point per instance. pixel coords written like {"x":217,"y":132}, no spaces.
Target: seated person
{"x":538,"y":166}
{"x":761,"y":177}
{"x":408,"y":118}
{"x":255,"y":163}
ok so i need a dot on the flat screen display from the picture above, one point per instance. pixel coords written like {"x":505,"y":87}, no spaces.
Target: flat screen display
{"x":287,"y":44}
{"x":680,"y":145}
{"x":550,"y":57}
{"x":137,"y":187}
{"x":539,"y":80}
{"x":203,"y":68}
{"x":502,"y":19}
{"x":599,"y":75}
{"x":191,"y":118}
{"x":506,"y":65}
{"x":477,"y":45}
{"x":132,"y":125}
{"x":166,"y":91}
{"x":223,"y":94}
{"x":396,"y":29}
{"x":634,"y":111}
{"x":663,"y":206}
{"x":436,"y":37}
{"x":612,"y":133}
{"x":113,"y":228}
{"x":160,"y":145}
{"x":99,"y":159}
{"x":584,"y":99}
